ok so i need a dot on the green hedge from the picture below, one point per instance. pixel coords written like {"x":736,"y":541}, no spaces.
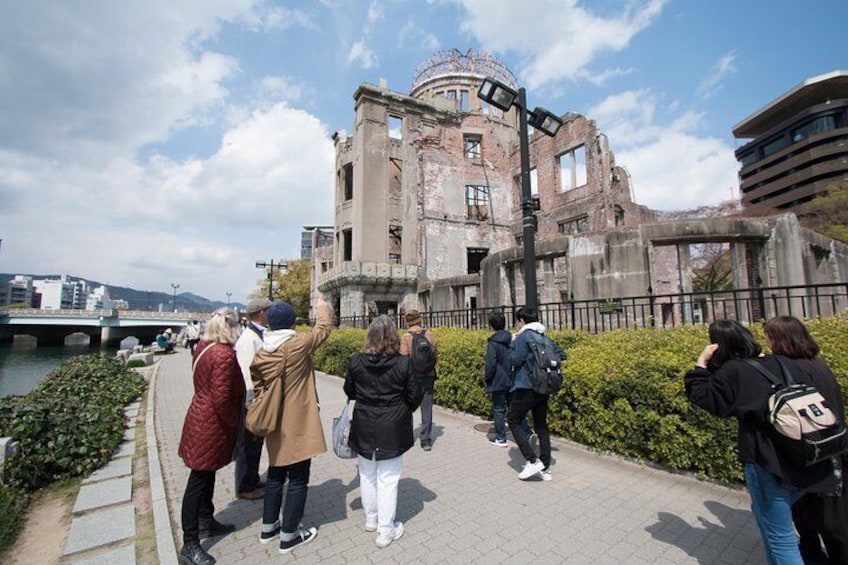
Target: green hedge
{"x":68,"y":426}
{"x":623,"y":392}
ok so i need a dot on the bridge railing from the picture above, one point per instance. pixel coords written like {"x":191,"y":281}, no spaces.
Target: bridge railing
{"x":104,"y":313}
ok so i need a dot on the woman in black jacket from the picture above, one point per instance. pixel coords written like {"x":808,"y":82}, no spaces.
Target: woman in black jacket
{"x":725,"y":384}
{"x":819,"y":519}
{"x":386,"y":391}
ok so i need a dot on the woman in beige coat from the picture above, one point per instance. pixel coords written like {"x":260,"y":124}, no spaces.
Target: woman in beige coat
{"x":299,"y":435}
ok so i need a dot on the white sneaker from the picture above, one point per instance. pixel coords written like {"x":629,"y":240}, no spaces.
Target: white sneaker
{"x":498,"y":442}
{"x":530,"y":469}
{"x":370,"y":526}
{"x":546,"y":474}
{"x":385,"y":540}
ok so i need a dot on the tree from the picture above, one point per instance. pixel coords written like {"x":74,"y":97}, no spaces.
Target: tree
{"x":292,"y":285}
{"x":711,"y":270}
{"x":827,"y":213}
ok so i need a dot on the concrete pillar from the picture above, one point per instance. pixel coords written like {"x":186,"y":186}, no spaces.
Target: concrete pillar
{"x":684,"y":274}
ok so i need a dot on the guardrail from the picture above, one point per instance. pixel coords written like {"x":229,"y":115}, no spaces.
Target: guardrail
{"x":656,"y":310}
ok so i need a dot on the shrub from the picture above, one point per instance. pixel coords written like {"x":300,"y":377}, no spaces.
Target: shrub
{"x":134,"y":363}
{"x":13,"y":504}
{"x":623,"y":390}
{"x":72,"y":422}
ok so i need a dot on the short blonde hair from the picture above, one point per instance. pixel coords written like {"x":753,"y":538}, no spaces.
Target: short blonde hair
{"x":222,"y":327}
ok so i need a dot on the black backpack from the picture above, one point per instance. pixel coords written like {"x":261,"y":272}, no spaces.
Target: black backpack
{"x":422,"y":355}
{"x":805,"y":429}
{"x":546,"y":376}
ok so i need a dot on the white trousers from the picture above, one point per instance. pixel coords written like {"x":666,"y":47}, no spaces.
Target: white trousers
{"x":378,"y":484}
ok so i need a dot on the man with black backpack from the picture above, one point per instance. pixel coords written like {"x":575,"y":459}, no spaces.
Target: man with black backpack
{"x":531,"y":389}
{"x":420,"y":346}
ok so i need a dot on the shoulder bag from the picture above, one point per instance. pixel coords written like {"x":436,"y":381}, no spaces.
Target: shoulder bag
{"x":341,"y":433}
{"x":263,"y":414}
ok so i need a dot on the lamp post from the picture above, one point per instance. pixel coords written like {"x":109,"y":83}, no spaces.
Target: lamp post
{"x":229,"y":294}
{"x":504,"y":97}
{"x":174,"y":303}
{"x":281,"y":265}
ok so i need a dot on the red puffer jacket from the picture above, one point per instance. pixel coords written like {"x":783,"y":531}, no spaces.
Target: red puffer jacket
{"x":213,"y":421}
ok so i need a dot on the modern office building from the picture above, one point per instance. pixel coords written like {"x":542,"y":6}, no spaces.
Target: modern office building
{"x":798,"y":144}
{"x":19,"y":291}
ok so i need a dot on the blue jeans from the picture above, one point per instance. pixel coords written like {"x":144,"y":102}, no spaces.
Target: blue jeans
{"x":500,"y":400}
{"x":772,"y":508}
{"x":298,"y":476}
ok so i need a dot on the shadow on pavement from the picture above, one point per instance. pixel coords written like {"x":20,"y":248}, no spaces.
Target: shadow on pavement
{"x":674,"y":530}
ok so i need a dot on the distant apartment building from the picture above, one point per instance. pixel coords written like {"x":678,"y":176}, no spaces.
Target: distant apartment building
{"x":313,"y":237}
{"x":99,"y":299}
{"x":66,"y":294}
{"x":798,"y":144}
{"x":19,"y":291}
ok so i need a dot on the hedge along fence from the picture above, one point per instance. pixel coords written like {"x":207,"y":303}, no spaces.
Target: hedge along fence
{"x":623,"y":390}
{"x":68,"y":426}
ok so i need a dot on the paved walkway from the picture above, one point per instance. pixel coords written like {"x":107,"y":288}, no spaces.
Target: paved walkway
{"x":463,"y":503}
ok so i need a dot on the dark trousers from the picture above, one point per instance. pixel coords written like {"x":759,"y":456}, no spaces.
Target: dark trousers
{"x":522,"y":402}
{"x":298,"y":476}
{"x":197,"y":503}
{"x":427,"y":386}
{"x":248,"y":454}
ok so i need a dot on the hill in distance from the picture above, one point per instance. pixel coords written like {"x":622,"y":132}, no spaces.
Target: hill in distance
{"x":141,"y":299}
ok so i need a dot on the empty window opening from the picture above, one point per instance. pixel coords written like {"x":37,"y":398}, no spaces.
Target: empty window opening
{"x":395,"y":127}
{"x":477,"y":202}
{"x":534,"y":182}
{"x":463,"y":100}
{"x":347,"y":245}
{"x":574,"y":225}
{"x":395,"y":240}
{"x":475,"y":256}
{"x":572,"y":168}
{"x":347,"y":174}
{"x":619,"y":215}
{"x":473,"y":145}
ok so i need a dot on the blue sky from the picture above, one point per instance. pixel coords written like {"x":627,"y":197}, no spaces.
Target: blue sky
{"x":144,"y":143}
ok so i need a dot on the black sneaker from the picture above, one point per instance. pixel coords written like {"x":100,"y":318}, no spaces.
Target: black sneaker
{"x":267,"y":537}
{"x":303,"y":536}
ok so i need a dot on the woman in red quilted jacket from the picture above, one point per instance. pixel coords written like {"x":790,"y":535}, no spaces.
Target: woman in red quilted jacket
{"x":210,"y":431}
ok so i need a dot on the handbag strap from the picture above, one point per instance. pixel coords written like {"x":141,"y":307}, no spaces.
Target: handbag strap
{"x":199,"y":355}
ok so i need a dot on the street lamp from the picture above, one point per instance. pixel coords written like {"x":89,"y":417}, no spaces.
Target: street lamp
{"x":174,"y":303}
{"x":229,"y":294}
{"x":504,"y":97}
{"x":281,"y":265}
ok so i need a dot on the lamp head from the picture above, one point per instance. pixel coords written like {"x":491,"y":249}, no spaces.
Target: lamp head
{"x":545,"y":121}
{"x":497,"y":94}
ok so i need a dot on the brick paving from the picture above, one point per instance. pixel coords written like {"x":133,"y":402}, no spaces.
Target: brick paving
{"x":463,"y":503}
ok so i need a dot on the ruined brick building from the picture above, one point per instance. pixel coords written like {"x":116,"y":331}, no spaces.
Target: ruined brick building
{"x":428,"y":210}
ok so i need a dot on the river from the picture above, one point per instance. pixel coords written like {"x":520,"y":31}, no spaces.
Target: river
{"x":23,"y":364}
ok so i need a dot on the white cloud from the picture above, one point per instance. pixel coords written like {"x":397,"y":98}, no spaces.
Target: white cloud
{"x":85,"y":90}
{"x":722,"y":69}
{"x":362,"y":54}
{"x":671,"y":167}
{"x":573,"y":36}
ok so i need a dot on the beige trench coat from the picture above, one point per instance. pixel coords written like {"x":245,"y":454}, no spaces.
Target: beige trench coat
{"x":299,"y":434}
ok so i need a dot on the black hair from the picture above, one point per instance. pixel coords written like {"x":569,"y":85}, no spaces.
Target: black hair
{"x":734,"y":340}
{"x":497,"y":321}
{"x":527,"y":314}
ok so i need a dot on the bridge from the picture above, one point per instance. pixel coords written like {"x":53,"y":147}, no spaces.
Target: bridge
{"x":107,"y":327}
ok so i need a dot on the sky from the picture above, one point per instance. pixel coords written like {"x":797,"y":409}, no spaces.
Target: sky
{"x":159,"y":142}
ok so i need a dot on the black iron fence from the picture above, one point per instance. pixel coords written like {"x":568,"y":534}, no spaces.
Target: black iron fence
{"x":656,"y":310}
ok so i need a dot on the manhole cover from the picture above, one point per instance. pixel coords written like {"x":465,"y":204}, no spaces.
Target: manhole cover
{"x":485,"y":427}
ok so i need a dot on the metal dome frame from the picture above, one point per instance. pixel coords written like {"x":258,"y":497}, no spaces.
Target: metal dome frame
{"x":453,"y":62}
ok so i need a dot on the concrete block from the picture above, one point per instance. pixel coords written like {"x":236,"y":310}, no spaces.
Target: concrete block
{"x":126,"y":449}
{"x":123,"y":354}
{"x":104,"y":493}
{"x":122,"y":556}
{"x":101,"y":527}
{"x":114,"y":468}
{"x":147,"y":357}
{"x":8,"y":449}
